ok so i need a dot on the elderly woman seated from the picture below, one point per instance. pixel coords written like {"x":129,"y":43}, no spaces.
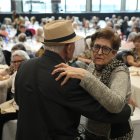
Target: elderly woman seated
{"x":128,"y":44}
{"x":131,"y":58}
{"x":7,"y":54}
{"x":16,"y":59}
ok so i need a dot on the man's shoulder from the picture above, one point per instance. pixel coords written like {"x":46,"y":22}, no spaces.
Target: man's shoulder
{"x":29,"y":65}
{"x":32,"y":61}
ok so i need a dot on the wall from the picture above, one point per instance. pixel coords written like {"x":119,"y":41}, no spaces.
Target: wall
{"x":80,"y":15}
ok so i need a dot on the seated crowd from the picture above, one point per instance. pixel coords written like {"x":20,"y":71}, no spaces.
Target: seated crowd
{"x":27,"y":44}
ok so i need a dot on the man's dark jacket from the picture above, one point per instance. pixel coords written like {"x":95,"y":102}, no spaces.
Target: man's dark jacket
{"x":48,"y":109}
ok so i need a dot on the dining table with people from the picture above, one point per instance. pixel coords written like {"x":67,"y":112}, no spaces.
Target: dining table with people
{"x":135,"y":83}
{"x":97,"y":85}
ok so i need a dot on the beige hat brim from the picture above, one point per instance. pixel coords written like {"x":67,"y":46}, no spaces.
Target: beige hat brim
{"x":76,"y":38}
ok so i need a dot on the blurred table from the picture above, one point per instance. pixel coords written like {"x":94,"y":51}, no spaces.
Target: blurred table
{"x":3,"y":87}
{"x":136,"y":123}
{"x":135,"y":83}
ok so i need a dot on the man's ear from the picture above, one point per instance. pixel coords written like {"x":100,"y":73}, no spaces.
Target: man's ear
{"x":67,"y":48}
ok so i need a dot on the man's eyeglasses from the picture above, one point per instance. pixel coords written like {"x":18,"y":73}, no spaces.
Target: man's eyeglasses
{"x":105,"y":50}
{"x":18,"y":61}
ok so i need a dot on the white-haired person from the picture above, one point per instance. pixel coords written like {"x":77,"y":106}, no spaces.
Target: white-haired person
{"x":10,"y":70}
{"x":17,"y":57}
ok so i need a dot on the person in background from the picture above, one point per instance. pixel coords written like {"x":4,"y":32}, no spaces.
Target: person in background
{"x":104,"y":80}
{"x":2,"y":57}
{"x":44,"y":103}
{"x":135,"y":60}
{"x":23,"y":29}
{"x":18,"y":46}
{"x":117,"y":29}
{"x":22,"y":38}
{"x":33,"y":20}
{"x":3,"y":32}
{"x":132,"y":57}
{"x":39,"y":36}
{"x":129,"y":44}
{"x":10,"y":70}
{"x":17,"y":57}
{"x":124,"y":26}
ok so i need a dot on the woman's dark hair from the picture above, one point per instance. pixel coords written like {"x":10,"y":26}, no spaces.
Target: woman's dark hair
{"x":18,"y":46}
{"x":109,"y":34}
{"x":137,"y":38}
{"x":22,"y":37}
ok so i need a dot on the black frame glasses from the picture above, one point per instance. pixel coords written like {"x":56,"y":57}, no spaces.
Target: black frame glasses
{"x":105,"y":50}
{"x":18,"y":61}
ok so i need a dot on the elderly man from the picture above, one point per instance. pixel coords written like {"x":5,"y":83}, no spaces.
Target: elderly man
{"x":49,"y":111}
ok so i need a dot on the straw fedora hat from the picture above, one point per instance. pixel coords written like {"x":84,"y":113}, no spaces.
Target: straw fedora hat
{"x":59,"y":32}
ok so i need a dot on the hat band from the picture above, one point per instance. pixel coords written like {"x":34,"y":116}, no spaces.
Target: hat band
{"x":62,"y":38}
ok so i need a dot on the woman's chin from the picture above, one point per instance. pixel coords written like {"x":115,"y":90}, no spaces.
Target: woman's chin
{"x":99,"y":63}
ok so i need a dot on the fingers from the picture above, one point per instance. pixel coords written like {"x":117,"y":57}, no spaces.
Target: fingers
{"x":65,"y":80}
{"x":57,"y":70}
{"x":60,"y":76}
{"x":61,"y":65}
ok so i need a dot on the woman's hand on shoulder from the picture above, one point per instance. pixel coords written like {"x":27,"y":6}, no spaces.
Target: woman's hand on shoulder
{"x":68,"y":72}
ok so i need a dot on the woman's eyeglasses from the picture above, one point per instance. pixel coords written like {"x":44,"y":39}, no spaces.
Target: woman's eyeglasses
{"x":18,"y":61}
{"x":105,"y":50}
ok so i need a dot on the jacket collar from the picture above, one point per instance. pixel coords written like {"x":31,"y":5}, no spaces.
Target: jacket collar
{"x":53,"y":56}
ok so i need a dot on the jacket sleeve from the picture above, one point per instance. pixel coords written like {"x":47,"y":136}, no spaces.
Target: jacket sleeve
{"x":78,"y":99}
{"x":113,"y":98}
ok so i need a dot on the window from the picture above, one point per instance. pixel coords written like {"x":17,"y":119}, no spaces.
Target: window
{"x":39,"y":6}
{"x":110,"y":5}
{"x":139,"y":5}
{"x":62,"y":7}
{"x":5,"y":8}
{"x":75,"y":6}
{"x":95,"y":5}
{"x":45,"y":6}
{"x":131,"y":5}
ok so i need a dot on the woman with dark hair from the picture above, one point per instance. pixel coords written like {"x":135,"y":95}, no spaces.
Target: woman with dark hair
{"x":104,"y":80}
{"x":18,"y":46}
